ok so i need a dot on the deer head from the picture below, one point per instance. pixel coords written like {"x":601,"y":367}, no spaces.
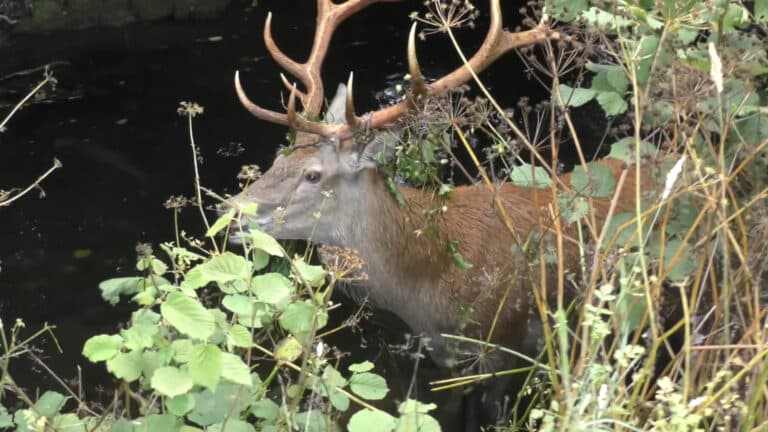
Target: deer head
{"x":329,"y":168}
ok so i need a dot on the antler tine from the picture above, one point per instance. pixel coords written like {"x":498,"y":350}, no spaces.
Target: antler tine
{"x":255,"y":110}
{"x":349,"y":110}
{"x":497,"y":42}
{"x":418,"y":85}
{"x":329,"y":16}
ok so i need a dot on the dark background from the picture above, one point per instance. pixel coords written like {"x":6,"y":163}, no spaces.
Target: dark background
{"x":112,"y":122}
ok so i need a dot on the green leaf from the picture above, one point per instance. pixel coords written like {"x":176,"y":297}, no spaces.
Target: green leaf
{"x":211,"y":407}
{"x":160,"y":422}
{"x":369,"y":385}
{"x":112,"y":289}
{"x":71,"y":423}
{"x":260,"y":259}
{"x":312,"y":274}
{"x":624,"y":150}
{"x":630,"y":308}
{"x":367,"y":420}
{"x":576,"y":97}
{"x":272,"y":288}
{"x":313,"y":421}
{"x":234,"y":369}
{"x":139,"y":336}
{"x":222,"y":222}
{"x":50,"y":403}
{"x":413,"y":416}
{"x":226,"y":267}
{"x":645,"y":53}
{"x":239,"y":304}
{"x":102,"y":347}
{"x":153,"y":360}
{"x":572,"y":208}
{"x":297,"y":317}
{"x":685,"y":265}
{"x":599,"y":182}
{"x":6,"y":419}
{"x":288,"y":350}
{"x":361,"y":367}
{"x":331,"y":380}
{"x":411,"y":406}
{"x":231,"y":425}
{"x":604,"y":20}
{"x":171,"y":381}
{"x":612,"y":103}
{"x":761,"y":11}
{"x":623,"y":236}
{"x":265,"y":409}
{"x":526,"y":175}
{"x":188,"y":316}
{"x":263,"y":241}
{"x":182,"y":350}
{"x":205,"y":365}
{"x":180,"y":405}
{"x":127,"y":366}
{"x":239,"y":336}
{"x":566,"y":10}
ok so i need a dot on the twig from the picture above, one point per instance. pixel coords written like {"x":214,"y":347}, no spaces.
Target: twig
{"x":5,"y":201}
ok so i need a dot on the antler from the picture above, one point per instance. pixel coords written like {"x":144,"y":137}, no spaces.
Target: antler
{"x":497,"y":43}
{"x":329,"y":16}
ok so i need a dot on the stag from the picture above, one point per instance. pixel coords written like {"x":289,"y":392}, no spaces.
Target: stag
{"x":328,"y":189}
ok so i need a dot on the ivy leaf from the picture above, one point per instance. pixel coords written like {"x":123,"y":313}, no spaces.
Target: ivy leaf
{"x":171,"y":381}
{"x":369,"y":385}
{"x":205,"y":365}
{"x":188,"y":316}
{"x":576,"y":97}
{"x":102,"y":347}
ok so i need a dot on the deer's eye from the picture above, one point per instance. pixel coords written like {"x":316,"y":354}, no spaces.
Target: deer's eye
{"x":312,"y":176}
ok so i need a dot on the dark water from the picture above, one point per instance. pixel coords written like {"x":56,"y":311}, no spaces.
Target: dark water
{"x":112,"y":121}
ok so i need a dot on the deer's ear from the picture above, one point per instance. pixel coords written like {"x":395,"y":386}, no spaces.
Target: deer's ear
{"x":382,"y":145}
{"x":336,"y":110}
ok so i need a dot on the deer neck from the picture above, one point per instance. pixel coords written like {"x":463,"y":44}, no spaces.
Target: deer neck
{"x":402,"y":261}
